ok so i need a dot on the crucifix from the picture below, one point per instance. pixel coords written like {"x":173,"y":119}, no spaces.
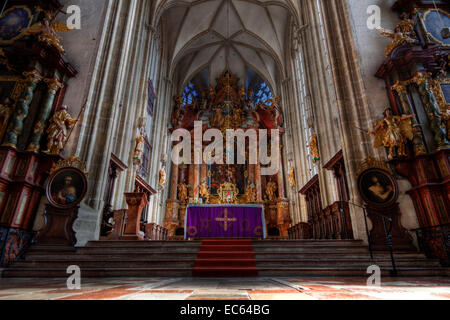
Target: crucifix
{"x":226,"y":220}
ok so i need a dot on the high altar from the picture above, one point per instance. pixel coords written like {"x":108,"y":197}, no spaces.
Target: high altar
{"x":227,"y":106}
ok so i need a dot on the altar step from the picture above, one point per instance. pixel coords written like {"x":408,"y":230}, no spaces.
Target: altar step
{"x":212,"y":259}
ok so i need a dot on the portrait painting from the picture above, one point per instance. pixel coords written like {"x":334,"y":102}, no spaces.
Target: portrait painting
{"x":13,"y":22}
{"x":377,"y":187}
{"x":66,"y":188}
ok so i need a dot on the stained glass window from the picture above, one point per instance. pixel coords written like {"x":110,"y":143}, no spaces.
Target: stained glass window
{"x":189,"y":94}
{"x":263,"y":93}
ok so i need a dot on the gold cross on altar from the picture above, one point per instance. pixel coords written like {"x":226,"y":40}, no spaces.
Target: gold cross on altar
{"x":226,"y":220}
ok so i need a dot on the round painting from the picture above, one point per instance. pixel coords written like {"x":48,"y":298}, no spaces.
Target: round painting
{"x":377,"y":187}
{"x":13,"y":22}
{"x":66,"y":187}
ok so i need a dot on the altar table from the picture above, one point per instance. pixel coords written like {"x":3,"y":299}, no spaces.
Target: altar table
{"x":224,"y":221}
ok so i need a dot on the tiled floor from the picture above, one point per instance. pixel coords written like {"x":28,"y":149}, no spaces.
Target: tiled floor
{"x":226,"y":289}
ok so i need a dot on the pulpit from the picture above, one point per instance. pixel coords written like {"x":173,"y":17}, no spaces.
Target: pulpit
{"x":136,"y":203}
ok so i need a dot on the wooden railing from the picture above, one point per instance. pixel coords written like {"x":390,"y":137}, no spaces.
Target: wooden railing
{"x":332,"y":222}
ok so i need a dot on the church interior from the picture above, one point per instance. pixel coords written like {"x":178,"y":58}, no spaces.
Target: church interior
{"x":109,"y":108}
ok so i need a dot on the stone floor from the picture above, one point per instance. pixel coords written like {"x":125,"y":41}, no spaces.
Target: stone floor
{"x":293,"y":288}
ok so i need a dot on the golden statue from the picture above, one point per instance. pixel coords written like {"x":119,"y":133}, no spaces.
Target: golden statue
{"x":47,"y":30}
{"x":6,"y":111}
{"x":217,"y":120}
{"x":162,"y":176}
{"x":271,"y":189}
{"x":204,"y":192}
{"x":402,"y":34}
{"x":250,"y":194}
{"x":314,"y":148}
{"x":58,"y":130}
{"x":393,"y":131}
{"x":292,"y":182}
{"x":182,"y":192}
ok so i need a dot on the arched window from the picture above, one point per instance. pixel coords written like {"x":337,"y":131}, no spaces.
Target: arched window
{"x":263,"y":93}
{"x":189,"y":94}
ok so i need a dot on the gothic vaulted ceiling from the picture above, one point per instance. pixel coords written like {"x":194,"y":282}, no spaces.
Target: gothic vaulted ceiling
{"x":232,"y":34}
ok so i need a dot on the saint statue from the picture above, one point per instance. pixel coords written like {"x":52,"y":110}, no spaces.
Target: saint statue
{"x":182,"y":192}
{"x":140,"y":145}
{"x":393,"y":131}
{"x":292,"y":182}
{"x":58,"y":130}
{"x":6,"y":111}
{"x":162,"y":176}
{"x":314,"y":148}
{"x":271,"y":189}
{"x":402,"y":34}
{"x":68,"y":194}
{"x":250,"y":194}
{"x":204,"y":192}
{"x":47,"y":30}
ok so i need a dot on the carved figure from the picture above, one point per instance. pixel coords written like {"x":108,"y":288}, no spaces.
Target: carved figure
{"x":58,"y":130}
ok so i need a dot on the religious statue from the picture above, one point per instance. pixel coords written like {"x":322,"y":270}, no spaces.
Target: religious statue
{"x":212,"y":93}
{"x":204,"y":192}
{"x":217,"y":120}
{"x":58,"y":130}
{"x":314,"y":148}
{"x":250,"y":194}
{"x":47,"y":30}
{"x":175,"y":118}
{"x":292,"y":182}
{"x":6,"y":111}
{"x":139,"y":149}
{"x":393,"y":131}
{"x":68,"y":194}
{"x":182,"y":192}
{"x":271,"y":189}
{"x":402,"y":34}
{"x":162,"y":176}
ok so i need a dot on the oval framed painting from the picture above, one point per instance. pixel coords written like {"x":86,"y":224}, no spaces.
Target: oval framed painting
{"x":66,"y":188}
{"x":378,"y":187}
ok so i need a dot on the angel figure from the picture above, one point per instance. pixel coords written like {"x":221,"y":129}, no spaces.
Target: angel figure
{"x":58,"y":130}
{"x":402,"y":34}
{"x":393,"y":131}
{"x":47,"y":30}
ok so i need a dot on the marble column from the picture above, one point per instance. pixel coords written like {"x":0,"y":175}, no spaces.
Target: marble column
{"x":53,"y":86}
{"x":21,"y":113}
{"x":418,"y":140}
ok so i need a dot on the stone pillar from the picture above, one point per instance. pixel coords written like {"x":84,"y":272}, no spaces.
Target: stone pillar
{"x":136,"y":203}
{"x":21,"y":113}
{"x":418,"y":141}
{"x":174,"y":185}
{"x":53,"y":86}
{"x":196,"y":180}
{"x":433,"y":111}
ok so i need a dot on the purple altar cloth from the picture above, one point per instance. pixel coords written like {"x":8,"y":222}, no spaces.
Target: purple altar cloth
{"x":222,"y":221}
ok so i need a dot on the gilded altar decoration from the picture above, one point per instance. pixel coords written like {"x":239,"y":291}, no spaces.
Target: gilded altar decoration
{"x":60,"y":125}
{"x":393,"y":132}
{"x":47,"y":31}
{"x":250,"y":194}
{"x":271,"y":189}
{"x":71,"y":162}
{"x":314,"y":148}
{"x":228,"y":193}
{"x":6,"y":110}
{"x":403,"y":34}
{"x":182,"y":192}
{"x":204,"y":192}
{"x":292,"y":182}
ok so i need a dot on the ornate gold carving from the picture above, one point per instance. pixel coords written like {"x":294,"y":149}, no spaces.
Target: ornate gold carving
{"x":393,"y":131}
{"x":71,"y":162}
{"x":228,"y":193}
{"x":53,"y":84}
{"x":314,"y":148}
{"x":271,"y":189}
{"x":182,"y":192}
{"x":32,"y":76}
{"x":250,"y":194}
{"x":58,"y":130}
{"x":204,"y":191}
{"x":402,"y":34}
{"x":370,"y":163}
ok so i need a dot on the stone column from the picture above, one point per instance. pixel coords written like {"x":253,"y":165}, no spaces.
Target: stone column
{"x":418,"y":141}
{"x":280,"y":178}
{"x":21,"y":113}
{"x":433,"y":111}
{"x":174,"y":184}
{"x":53,"y":86}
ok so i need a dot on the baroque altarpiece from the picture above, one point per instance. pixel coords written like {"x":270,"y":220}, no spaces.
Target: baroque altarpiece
{"x":227,"y":106}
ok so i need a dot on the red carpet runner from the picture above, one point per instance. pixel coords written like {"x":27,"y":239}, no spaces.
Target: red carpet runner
{"x":225,"y":258}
